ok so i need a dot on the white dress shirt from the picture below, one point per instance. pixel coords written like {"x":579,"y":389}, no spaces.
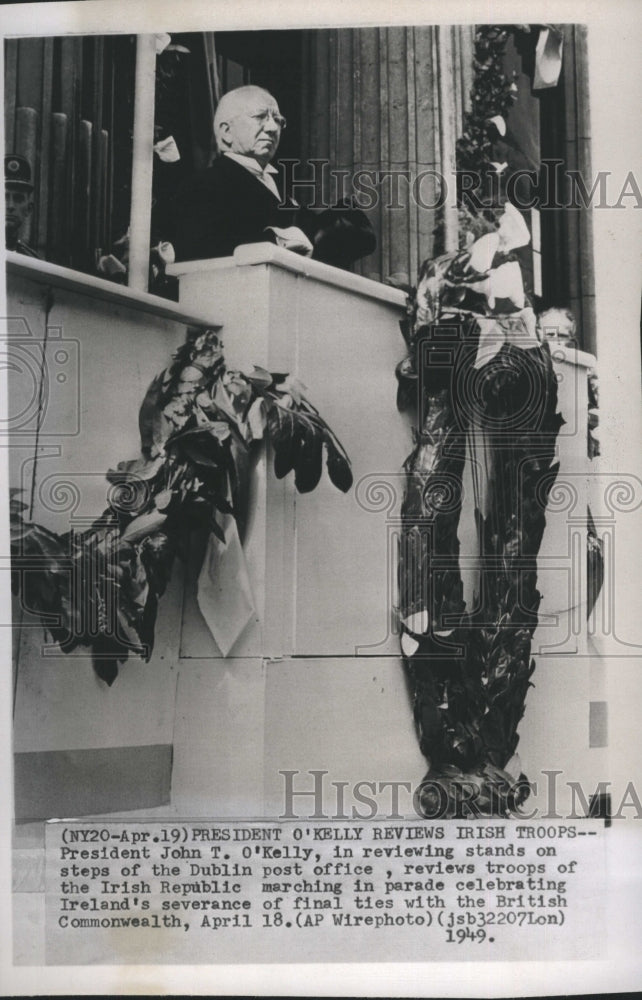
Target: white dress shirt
{"x":264,"y":174}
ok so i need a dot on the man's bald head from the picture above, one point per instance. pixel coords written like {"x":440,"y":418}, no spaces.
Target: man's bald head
{"x":247,"y":121}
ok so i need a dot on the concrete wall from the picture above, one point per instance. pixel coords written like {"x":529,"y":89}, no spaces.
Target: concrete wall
{"x":80,"y":747}
{"x":323,"y":658}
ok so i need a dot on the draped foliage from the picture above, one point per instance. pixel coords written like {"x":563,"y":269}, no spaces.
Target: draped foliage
{"x":484,"y":391}
{"x":200,"y":425}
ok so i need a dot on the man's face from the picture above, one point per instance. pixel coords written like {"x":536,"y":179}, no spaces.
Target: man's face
{"x":253,"y":128}
{"x":19,"y":204}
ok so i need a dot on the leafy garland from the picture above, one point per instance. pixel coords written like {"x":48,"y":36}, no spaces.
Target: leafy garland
{"x":474,"y":359}
{"x":469,"y":671}
{"x":493,"y":94}
{"x":200,"y":425}
{"x":594,"y":545}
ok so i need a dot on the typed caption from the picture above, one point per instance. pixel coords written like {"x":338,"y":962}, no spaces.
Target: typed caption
{"x":219,"y":891}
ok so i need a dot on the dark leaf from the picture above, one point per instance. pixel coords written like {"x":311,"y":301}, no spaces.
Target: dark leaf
{"x":338,"y":465}
{"x":281,"y":429}
{"x":107,"y":670}
{"x":259,"y":378}
{"x":283,"y":458}
{"x":157,"y":555}
{"x":308,"y":458}
{"x":407,"y":385}
{"x":239,"y":479}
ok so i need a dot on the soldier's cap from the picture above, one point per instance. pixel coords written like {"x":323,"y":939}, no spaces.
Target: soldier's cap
{"x":17,"y":172}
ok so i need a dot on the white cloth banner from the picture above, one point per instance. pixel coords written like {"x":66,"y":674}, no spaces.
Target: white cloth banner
{"x":548,"y":59}
{"x":224,"y":591}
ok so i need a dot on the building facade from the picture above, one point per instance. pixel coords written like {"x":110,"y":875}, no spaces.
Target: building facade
{"x":373,"y":113}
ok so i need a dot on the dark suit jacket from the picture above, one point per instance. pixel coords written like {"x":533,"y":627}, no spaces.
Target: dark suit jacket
{"x":25,"y":250}
{"x":224,"y":206}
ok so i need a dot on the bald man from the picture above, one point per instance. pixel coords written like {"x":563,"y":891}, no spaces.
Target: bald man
{"x":237,"y":199}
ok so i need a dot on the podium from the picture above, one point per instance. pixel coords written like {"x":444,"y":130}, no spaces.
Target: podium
{"x":315,"y":682}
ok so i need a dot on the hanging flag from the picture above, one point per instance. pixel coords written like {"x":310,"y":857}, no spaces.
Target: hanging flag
{"x":548,"y":58}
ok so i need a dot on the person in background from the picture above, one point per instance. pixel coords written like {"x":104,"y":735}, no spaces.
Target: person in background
{"x":18,"y":192}
{"x":558,"y":324}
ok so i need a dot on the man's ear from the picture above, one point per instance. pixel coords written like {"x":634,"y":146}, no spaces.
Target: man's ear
{"x":29,"y":208}
{"x":223,"y":136}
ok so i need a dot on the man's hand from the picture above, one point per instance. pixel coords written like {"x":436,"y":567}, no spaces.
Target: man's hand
{"x":293,"y":239}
